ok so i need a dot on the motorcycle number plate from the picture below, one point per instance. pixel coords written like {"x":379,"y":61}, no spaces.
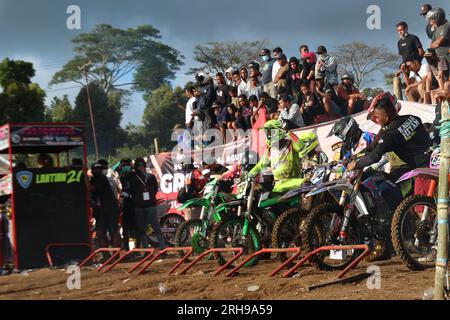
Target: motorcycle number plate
{"x":264,"y":196}
{"x":337,"y":254}
{"x":208,"y":189}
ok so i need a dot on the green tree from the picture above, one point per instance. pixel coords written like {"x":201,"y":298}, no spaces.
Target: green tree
{"x":21,"y":100}
{"x":114,"y":54}
{"x":106,"y":119}
{"x":60,"y":110}
{"x":15,"y":71}
{"x":161,"y":114}
{"x":218,"y":56}
{"x":372,"y":92}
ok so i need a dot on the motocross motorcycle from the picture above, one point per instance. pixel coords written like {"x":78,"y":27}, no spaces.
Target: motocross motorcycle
{"x":196,"y":232}
{"x":255,"y":211}
{"x":414,"y":224}
{"x":286,"y":232}
{"x":361,"y":214}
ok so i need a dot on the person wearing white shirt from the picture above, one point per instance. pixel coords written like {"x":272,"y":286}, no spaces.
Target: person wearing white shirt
{"x":276,"y":66}
{"x":415,"y":76}
{"x":290,"y":113}
{"x":189,"y":105}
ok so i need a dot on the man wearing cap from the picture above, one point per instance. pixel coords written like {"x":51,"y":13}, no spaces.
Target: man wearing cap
{"x":441,"y":34}
{"x":350,"y":98}
{"x":327,"y":65}
{"x":327,"y":96}
{"x":276,"y":66}
{"x":280,"y":78}
{"x":439,"y":70}
{"x":424,"y":9}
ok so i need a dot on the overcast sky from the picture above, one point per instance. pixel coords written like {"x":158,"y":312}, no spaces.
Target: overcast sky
{"x":36,"y":30}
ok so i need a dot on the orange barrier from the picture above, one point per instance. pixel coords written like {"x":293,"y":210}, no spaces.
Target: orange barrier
{"x":207,"y":252}
{"x":116,"y":250}
{"x":166,"y":250}
{"x":328,"y":248}
{"x":150,"y":252}
{"x":296,"y":251}
{"x":61,"y":245}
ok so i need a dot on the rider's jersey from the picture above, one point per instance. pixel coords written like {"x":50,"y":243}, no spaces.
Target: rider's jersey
{"x":407,"y":137}
{"x":284,"y":163}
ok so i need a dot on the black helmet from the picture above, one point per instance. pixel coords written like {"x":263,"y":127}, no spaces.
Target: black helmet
{"x":349,"y":76}
{"x":345,"y":129}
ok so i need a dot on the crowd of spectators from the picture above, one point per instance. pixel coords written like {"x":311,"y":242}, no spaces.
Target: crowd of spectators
{"x":425,"y":72}
{"x":306,"y":89}
{"x":302,"y":90}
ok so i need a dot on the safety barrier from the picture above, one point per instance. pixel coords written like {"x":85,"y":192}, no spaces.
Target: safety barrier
{"x":296,"y":251}
{"x":116,"y":250}
{"x":150,"y":252}
{"x":61,"y":245}
{"x":166,"y":250}
{"x":239,"y":252}
{"x":328,"y":248}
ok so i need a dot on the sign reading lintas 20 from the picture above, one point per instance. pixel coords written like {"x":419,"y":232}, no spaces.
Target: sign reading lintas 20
{"x":47,"y":135}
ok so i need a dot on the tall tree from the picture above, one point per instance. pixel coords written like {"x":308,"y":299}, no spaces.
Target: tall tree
{"x":115,"y":54}
{"x":218,"y":56}
{"x":161,"y":114}
{"x":60,"y":110}
{"x":363,"y":60}
{"x":21,"y":100}
{"x":106,"y":119}
{"x":16,"y":71}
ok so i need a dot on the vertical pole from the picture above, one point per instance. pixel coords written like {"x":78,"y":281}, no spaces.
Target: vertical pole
{"x":397,"y":85}
{"x":442,"y":204}
{"x":94,"y":136}
{"x":156,"y":141}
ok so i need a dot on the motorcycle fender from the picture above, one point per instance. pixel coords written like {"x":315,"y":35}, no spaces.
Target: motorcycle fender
{"x":431,"y":173}
{"x":197,"y":202}
{"x":342,"y":186}
{"x":294,"y":193}
{"x":223,"y":206}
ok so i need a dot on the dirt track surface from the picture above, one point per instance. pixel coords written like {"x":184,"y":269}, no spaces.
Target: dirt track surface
{"x":397,"y":282}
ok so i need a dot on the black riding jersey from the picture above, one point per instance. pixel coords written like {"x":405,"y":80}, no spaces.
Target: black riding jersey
{"x":407,"y":137}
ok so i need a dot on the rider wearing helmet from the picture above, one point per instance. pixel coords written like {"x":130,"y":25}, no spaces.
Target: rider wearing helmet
{"x":282,"y":157}
{"x":440,"y":39}
{"x":350,"y":99}
{"x":311,"y":155}
{"x":404,"y":135}
{"x":354,"y":139}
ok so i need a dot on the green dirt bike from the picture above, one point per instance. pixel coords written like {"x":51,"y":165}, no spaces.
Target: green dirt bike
{"x":251,"y":218}
{"x":196,"y":232}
